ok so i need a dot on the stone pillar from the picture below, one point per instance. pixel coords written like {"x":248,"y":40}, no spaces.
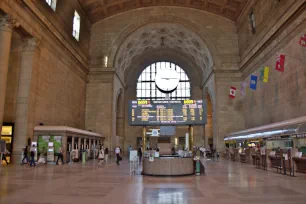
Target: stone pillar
{"x":144,"y":138}
{"x":85,"y":140}
{"x":79,"y":144}
{"x":64,"y":146}
{"x":90,"y":144}
{"x":229,"y":112}
{"x":26,"y":94}
{"x":6,"y":26}
{"x":191,"y":139}
{"x":72,"y":143}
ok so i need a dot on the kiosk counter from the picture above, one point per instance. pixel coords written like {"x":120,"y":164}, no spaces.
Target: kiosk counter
{"x":168,"y":165}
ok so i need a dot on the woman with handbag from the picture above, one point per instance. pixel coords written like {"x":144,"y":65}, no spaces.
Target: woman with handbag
{"x":101,"y":156}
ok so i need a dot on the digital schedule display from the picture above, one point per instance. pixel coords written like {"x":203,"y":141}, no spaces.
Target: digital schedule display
{"x":167,"y":112}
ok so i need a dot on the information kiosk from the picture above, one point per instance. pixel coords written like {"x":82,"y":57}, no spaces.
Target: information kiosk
{"x":148,"y":113}
{"x":50,"y":154}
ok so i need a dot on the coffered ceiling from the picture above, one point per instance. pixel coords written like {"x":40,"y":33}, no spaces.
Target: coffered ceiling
{"x":100,"y":9}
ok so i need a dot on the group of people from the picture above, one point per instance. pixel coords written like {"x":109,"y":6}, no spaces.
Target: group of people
{"x":103,"y":155}
{"x":32,"y":156}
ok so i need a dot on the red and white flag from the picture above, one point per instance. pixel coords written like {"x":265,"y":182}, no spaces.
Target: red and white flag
{"x":232,"y":93}
{"x":280,"y":62}
{"x":303,"y":40}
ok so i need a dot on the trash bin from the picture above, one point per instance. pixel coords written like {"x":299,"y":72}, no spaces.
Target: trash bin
{"x":198,"y":168}
{"x":84,"y":157}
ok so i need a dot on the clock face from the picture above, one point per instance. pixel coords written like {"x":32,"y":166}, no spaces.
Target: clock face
{"x":167,"y":80}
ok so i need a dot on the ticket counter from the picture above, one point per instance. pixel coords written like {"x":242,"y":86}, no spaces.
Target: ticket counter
{"x":58,"y":136}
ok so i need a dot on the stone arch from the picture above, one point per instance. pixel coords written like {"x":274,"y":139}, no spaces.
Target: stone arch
{"x":118,"y":134}
{"x":189,"y":25}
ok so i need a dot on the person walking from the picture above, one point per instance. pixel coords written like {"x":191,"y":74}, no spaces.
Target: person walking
{"x":140,"y":154}
{"x":25,"y":155}
{"x":32,"y":155}
{"x":60,"y":155}
{"x":106,"y":154}
{"x":101,"y":156}
{"x":117,"y":151}
{"x":6,"y":152}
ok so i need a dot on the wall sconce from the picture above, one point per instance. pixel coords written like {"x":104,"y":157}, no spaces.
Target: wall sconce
{"x":105,"y":61}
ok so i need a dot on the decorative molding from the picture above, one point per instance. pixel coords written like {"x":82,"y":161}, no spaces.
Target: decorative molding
{"x":30,"y":44}
{"x":7,"y":23}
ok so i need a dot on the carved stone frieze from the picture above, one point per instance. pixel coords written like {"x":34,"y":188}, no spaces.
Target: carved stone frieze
{"x":30,"y":44}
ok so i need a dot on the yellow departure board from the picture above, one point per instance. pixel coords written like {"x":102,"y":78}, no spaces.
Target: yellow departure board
{"x":167,"y":112}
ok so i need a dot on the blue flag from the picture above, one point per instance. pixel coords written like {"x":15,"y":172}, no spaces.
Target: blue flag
{"x":253,"y":83}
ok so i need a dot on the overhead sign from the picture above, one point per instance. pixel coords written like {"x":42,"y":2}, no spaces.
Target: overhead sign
{"x":155,"y":132}
{"x":167,"y":112}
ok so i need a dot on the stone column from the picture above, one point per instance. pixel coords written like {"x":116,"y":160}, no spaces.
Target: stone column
{"x":26,"y":94}
{"x":72,"y":143}
{"x":64,"y":146}
{"x":191,"y":139}
{"x":6,"y":26}
{"x":79,"y":144}
{"x":85,"y":143}
{"x":144,"y":139}
{"x":90,"y":149}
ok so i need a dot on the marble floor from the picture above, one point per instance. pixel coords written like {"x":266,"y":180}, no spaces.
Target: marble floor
{"x":225,"y":182}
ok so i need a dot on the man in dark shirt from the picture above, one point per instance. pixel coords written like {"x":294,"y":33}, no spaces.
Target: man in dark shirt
{"x":60,"y":156}
{"x":25,"y":155}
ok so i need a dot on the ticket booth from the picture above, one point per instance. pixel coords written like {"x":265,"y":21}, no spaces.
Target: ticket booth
{"x":7,"y":134}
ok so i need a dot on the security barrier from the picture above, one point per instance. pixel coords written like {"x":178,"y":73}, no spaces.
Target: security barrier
{"x":134,"y":166}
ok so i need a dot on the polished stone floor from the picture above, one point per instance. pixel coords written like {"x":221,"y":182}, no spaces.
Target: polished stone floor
{"x":225,"y":182}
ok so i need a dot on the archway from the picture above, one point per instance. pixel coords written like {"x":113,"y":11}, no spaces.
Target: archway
{"x":163,"y":36}
{"x":162,"y":41}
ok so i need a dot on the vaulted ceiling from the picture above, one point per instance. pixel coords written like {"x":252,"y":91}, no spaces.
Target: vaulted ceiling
{"x":100,"y":9}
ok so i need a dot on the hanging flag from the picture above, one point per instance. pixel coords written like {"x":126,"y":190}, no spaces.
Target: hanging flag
{"x":266,"y":74}
{"x":242,"y":89}
{"x":253,"y":83}
{"x":232,"y":92}
{"x":280,"y":63}
{"x":261,"y":73}
{"x":303,"y":40}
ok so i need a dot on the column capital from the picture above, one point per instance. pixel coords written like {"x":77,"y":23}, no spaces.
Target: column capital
{"x":30,"y":44}
{"x":7,"y":23}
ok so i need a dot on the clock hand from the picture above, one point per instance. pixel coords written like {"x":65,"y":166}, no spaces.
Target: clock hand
{"x":168,"y":78}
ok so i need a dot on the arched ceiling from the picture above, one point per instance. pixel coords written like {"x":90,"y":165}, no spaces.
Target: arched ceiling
{"x":99,"y":9}
{"x":163,"y":36}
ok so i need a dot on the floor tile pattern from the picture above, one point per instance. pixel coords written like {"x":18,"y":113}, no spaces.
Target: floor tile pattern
{"x":224,"y":182}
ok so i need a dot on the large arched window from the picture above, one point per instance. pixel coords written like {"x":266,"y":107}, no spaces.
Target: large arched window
{"x":146,"y":88}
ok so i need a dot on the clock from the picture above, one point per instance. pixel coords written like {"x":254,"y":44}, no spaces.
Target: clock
{"x":166,"y":80}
